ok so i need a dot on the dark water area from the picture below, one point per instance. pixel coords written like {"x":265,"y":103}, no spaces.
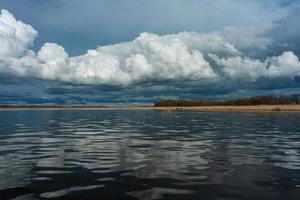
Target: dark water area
{"x":120,"y":155}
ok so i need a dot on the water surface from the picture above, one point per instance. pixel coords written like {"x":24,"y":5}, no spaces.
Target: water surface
{"x":120,"y":155}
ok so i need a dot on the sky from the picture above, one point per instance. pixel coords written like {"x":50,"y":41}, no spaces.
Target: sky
{"x":141,"y":51}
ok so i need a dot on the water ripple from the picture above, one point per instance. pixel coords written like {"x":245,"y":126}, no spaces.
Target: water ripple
{"x":149,"y":155}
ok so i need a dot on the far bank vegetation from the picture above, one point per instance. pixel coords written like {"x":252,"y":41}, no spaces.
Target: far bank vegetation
{"x":258,"y":100}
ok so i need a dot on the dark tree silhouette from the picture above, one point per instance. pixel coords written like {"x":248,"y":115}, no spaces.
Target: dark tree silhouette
{"x":258,"y":100}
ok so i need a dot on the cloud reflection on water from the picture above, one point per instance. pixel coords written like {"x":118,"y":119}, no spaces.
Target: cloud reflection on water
{"x":148,"y":154}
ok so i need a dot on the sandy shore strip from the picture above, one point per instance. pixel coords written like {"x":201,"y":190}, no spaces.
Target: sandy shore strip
{"x":257,"y":108}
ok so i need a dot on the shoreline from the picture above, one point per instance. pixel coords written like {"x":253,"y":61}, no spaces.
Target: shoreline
{"x":256,"y":108}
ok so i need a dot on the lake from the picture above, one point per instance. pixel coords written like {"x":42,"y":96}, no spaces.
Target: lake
{"x":145,"y":154}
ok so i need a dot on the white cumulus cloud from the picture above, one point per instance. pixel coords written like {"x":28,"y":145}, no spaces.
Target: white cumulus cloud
{"x":15,"y":36}
{"x":286,"y":65}
{"x":149,"y":57}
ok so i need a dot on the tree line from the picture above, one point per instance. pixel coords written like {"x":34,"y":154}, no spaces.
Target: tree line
{"x":258,"y":100}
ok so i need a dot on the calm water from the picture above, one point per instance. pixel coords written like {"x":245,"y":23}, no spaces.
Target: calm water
{"x":124,"y":155}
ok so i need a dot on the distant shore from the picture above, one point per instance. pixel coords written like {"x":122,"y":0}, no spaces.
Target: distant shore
{"x":255,"y":108}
